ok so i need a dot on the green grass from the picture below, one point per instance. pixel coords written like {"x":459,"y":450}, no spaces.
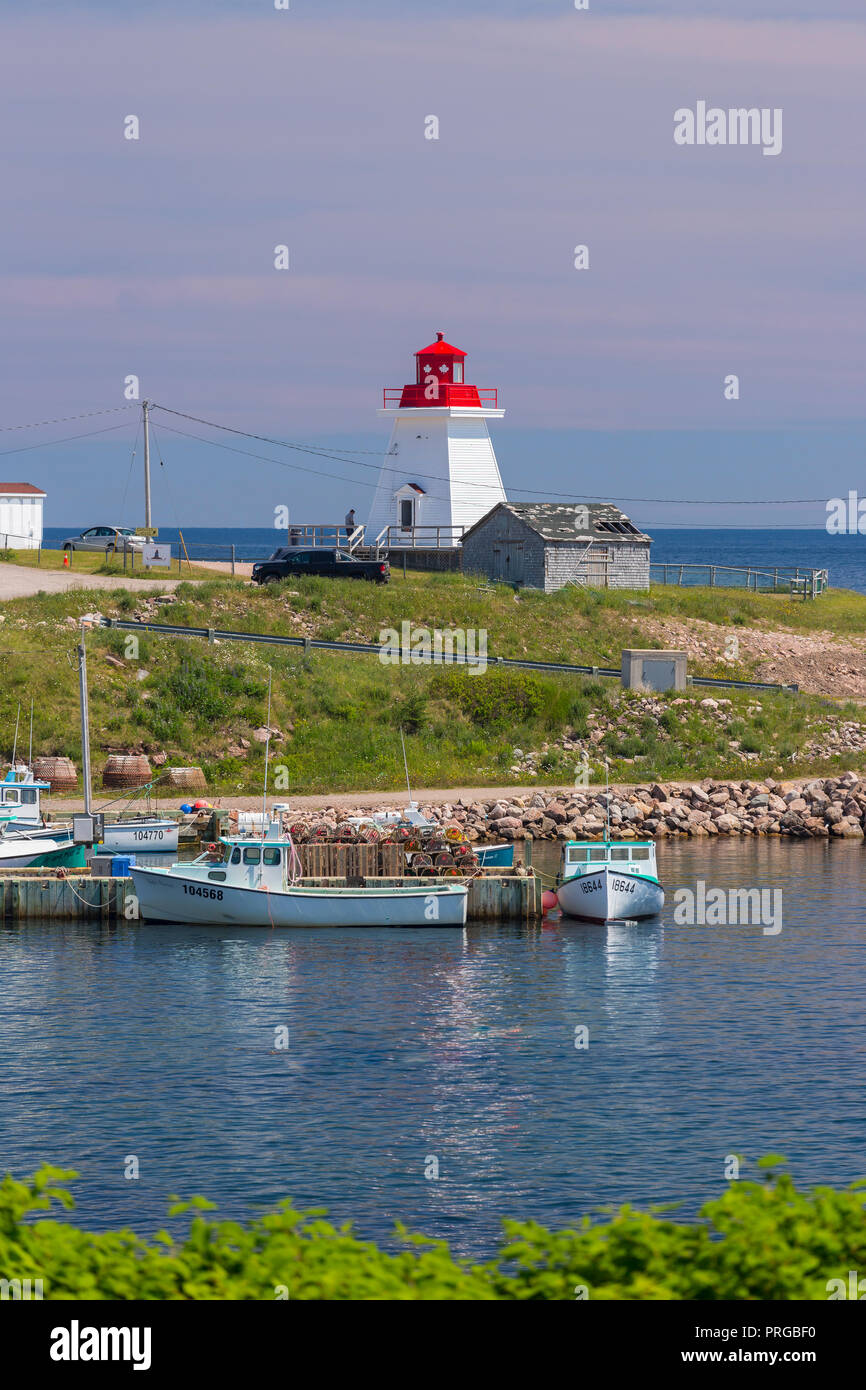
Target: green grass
{"x":93,"y":562}
{"x":342,"y":713}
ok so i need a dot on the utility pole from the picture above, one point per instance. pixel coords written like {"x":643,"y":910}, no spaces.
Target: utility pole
{"x":145,"y":405}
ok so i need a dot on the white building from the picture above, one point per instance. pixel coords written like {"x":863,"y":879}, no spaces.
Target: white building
{"x":440,"y":474}
{"x":21,"y":516}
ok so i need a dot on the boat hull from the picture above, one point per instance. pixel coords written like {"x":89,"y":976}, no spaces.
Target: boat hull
{"x":41,"y":854}
{"x":164,"y":896}
{"x":130,"y":837}
{"x":495,"y":856}
{"x":609,"y":895}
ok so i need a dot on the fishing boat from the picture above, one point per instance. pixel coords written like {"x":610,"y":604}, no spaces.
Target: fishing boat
{"x":19,"y":851}
{"x":243,"y":882}
{"x":249,"y":883}
{"x":141,"y":834}
{"x":606,"y":882}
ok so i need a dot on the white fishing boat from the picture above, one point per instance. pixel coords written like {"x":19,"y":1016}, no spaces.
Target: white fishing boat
{"x":141,"y":834}
{"x":249,"y":883}
{"x":21,"y":851}
{"x":606,"y":882}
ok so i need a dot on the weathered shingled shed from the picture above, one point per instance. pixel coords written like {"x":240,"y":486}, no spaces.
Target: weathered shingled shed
{"x":544,"y":545}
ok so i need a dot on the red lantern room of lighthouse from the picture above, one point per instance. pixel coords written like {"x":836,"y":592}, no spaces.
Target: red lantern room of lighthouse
{"x":440,"y":473}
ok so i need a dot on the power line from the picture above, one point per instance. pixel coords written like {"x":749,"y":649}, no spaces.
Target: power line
{"x":571,"y":496}
{"x":47,"y":443}
{"x":353,"y":482}
{"x":64,"y":419}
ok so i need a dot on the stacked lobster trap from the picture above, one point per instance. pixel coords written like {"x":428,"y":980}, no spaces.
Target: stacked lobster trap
{"x":367,"y":850}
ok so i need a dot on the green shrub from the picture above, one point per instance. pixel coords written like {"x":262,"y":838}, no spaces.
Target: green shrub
{"x":496,"y":699}
{"x":759,"y":1240}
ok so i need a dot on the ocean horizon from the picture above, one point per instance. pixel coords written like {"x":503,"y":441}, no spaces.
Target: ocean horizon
{"x":844,"y":557}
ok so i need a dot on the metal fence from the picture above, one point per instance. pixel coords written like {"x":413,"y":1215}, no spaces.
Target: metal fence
{"x":780,"y":579}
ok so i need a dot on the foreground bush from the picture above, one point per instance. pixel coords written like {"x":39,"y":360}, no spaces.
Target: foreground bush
{"x":759,"y":1240}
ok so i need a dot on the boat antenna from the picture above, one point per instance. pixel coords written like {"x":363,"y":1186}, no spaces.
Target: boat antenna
{"x":406,"y":766}
{"x":267,"y":757}
{"x":607,"y":800}
{"x":30,"y":757}
{"x":15,"y":744}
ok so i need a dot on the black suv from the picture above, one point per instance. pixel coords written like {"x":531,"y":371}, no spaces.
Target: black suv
{"x":335,"y":564}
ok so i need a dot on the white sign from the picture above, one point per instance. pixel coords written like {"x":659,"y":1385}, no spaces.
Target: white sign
{"x":156,"y":555}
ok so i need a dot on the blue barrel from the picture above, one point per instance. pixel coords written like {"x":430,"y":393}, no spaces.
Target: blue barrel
{"x":120,"y":865}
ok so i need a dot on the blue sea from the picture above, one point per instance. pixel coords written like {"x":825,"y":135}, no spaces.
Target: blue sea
{"x":843,"y":556}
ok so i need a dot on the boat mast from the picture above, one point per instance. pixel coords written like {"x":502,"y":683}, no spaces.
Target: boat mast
{"x":30,"y":756}
{"x":15,"y":744}
{"x":267,"y":756}
{"x":85,"y":722}
{"x":145,"y":405}
{"x":406,"y":767}
{"x":607,"y":800}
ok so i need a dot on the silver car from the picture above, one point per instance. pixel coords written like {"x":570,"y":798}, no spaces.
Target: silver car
{"x":107,"y":538}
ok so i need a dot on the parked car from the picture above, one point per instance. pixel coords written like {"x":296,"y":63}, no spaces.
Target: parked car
{"x":106,"y":538}
{"x":335,"y":564}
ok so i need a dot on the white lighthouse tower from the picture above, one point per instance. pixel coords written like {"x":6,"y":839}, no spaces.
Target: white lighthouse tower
{"x":440,"y":474}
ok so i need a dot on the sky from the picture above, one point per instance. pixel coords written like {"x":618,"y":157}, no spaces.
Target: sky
{"x":306,"y":128}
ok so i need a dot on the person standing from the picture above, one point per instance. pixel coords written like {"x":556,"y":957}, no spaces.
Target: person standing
{"x":350,"y":521}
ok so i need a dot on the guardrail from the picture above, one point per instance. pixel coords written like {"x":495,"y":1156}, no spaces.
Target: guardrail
{"x":487,"y":395}
{"x":216,"y":634}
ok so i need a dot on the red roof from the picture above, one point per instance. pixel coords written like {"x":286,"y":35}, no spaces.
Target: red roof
{"x":440,"y":347}
{"x":7,"y":488}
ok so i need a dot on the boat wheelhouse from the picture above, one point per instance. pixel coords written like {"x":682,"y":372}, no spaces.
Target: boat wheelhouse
{"x":20,"y":795}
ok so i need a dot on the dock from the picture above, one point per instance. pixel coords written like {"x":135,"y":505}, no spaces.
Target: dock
{"x":26,"y":895}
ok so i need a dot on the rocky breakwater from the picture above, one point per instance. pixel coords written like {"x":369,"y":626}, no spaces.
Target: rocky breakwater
{"x":821,"y":807}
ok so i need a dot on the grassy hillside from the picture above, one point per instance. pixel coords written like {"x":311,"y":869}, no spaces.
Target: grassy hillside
{"x":340,"y":715}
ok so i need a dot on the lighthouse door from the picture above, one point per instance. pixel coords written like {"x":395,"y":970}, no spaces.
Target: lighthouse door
{"x":407,"y":513}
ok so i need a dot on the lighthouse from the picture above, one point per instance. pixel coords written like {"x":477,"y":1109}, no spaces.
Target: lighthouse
{"x":440,"y":473}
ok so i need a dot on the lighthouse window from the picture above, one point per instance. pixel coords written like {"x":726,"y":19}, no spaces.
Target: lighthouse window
{"x":458,"y":371}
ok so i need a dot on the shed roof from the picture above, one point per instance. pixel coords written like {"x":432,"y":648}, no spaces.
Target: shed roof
{"x":10,"y":489}
{"x":570,"y":521}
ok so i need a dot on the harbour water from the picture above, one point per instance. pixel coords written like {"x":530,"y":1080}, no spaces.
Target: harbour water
{"x":453,"y":1046}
